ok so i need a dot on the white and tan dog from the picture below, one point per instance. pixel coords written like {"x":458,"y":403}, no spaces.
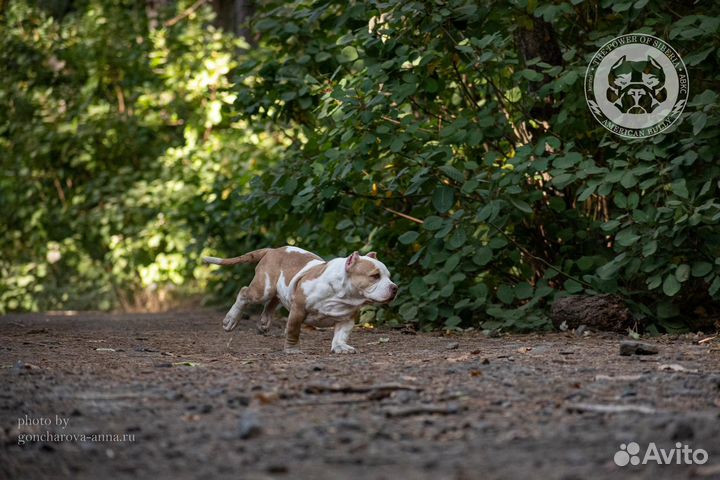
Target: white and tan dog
{"x":314,"y":291}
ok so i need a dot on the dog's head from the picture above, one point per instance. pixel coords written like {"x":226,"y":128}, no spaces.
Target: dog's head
{"x":636,"y":87}
{"x":370,"y":277}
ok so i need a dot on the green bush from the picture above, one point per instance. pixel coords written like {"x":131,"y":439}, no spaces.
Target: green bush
{"x":452,"y":137}
{"x":422,"y":130}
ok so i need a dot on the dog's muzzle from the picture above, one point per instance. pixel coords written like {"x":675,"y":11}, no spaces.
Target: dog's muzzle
{"x":393,"y":293}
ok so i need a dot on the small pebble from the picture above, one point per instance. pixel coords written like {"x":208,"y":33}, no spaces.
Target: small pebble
{"x":249,"y":426}
{"x":628,"y":347}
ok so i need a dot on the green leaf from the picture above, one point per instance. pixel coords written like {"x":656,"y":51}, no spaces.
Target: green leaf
{"x":397,"y":145}
{"x":671,"y":286}
{"x":469,"y":186}
{"x":611,"y":225}
{"x":699,"y":120}
{"x":443,"y":198}
{"x":408,"y":311}
{"x":570,"y":159}
{"x":408,"y":237}
{"x":627,"y":237}
{"x":714,"y":287}
{"x":585,"y":194}
{"x":506,"y":294}
{"x":585,"y":263}
{"x":608,"y":271}
{"x":679,"y":188}
{"x":457,"y":240}
{"x":418,"y":288}
{"x":682,"y":273}
{"x":700,"y":269}
{"x":347,"y":54}
{"x":649,"y":248}
{"x":563,"y":180}
{"x":453,"y":173}
{"x":523,"y":290}
{"x":452,"y":322}
{"x":482,"y":256}
{"x":532,"y":75}
{"x":433,"y":223}
{"x":521,"y":205}
{"x":572,"y":286}
{"x":265,"y":24}
{"x":343,"y":224}
{"x":654,"y":282}
{"x":628,"y":180}
{"x":447,"y":290}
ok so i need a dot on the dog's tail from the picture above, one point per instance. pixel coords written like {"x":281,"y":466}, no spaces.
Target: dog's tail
{"x":252,"y":257}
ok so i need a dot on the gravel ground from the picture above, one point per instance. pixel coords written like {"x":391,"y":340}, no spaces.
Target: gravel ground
{"x":187,"y":400}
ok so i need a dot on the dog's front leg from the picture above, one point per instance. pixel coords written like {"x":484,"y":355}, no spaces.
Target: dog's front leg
{"x":342,"y":332}
{"x":292,"y":331}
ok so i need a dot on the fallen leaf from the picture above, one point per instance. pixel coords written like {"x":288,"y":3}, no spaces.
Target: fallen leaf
{"x":267,"y":398}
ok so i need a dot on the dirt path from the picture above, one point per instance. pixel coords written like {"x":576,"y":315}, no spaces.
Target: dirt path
{"x":407,"y":406}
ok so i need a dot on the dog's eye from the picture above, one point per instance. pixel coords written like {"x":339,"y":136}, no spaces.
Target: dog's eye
{"x":375,"y":276}
{"x":622,"y":80}
{"x":650,"y":80}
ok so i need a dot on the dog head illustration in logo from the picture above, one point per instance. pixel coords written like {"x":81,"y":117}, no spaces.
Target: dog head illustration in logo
{"x":636,"y":87}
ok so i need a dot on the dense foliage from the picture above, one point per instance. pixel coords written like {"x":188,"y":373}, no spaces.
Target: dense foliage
{"x":452,"y":137}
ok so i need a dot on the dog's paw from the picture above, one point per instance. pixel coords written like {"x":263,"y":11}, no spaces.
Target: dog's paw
{"x":343,"y":348}
{"x":230,"y":323}
{"x":293,"y":350}
{"x":262,"y":328}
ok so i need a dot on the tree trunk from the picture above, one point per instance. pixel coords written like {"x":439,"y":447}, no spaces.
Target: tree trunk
{"x":232,"y":15}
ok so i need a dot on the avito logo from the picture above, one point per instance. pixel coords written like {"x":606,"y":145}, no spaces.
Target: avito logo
{"x":680,"y":455}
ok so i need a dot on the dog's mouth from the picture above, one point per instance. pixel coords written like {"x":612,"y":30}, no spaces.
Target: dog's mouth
{"x":390,"y":298}
{"x":392,"y":293}
{"x":384,"y":301}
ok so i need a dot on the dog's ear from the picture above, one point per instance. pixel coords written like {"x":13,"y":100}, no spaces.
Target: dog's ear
{"x":371,"y":254}
{"x":351,"y":260}
{"x":654,"y":62}
{"x":618,"y":63}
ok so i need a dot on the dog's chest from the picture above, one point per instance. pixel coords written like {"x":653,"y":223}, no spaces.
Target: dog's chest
{"x":329,"y":297}
{"x":332,"y":307}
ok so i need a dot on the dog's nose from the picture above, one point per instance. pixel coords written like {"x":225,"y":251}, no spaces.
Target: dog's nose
{"x":393,"y":289}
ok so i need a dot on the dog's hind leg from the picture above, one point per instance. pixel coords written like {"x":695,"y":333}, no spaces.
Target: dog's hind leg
{"x":256,"y":292}
{"x":231,"y":318}
{"x":267,"y":315}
